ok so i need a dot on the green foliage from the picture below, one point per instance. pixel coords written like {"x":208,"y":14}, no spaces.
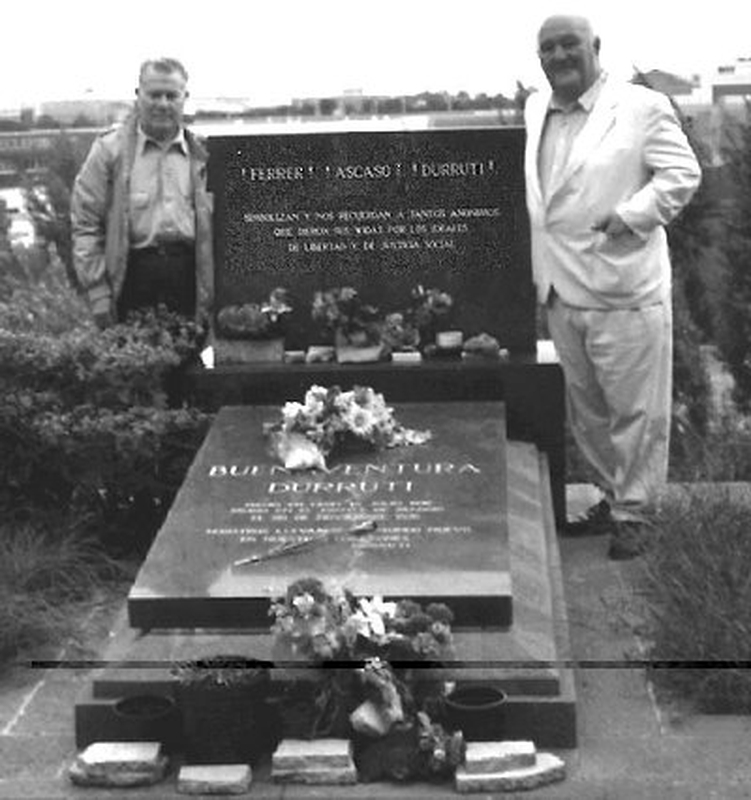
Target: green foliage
{"x":734,"y":332}
{"x":44,"y":304}
{"x":90,"y":421}
{"x":720,"y":453}
{"x":697,"y":591}
{"x":44,"y":574}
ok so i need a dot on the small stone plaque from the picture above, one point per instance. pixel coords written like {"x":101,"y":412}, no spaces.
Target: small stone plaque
{"x":484,"y":757}
{"x":214,"y":779}
{"x":438,"y":511}
{"x":547,"y":769}
{"x":302,"y":754}
{"x":381,"y":211}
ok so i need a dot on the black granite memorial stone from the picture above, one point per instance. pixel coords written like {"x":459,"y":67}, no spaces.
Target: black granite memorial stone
{"x":382,"y":212}
{"x":426,"y":522}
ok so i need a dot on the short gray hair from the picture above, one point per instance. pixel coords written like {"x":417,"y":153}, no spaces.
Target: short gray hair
{"x":166,"y":65}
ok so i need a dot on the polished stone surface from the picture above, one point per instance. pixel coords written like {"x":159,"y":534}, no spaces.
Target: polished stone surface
{"x":439,"y":508}
{"x":381,"y":211}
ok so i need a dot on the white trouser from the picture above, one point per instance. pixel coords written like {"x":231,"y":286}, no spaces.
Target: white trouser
{"x":618,"y":370}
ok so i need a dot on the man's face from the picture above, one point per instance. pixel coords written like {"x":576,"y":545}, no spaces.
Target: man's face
{"x":569,"y":55}
{"x":161,"y":98}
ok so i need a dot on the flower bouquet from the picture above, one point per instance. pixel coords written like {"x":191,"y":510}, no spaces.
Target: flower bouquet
{"x":400,"y":333}
{"x":330,"y":420}
{"x":367,"y":650}
{"x":317,"y":625}
{"x":253,"y":331}
{"x":430,"y":314}
{"x":355,"y":325}
{"x":255,"y":320}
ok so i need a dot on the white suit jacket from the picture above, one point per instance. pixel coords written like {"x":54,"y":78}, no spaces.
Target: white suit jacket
{"x":631,"y":157}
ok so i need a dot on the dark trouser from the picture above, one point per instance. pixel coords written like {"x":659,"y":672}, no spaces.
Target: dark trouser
{"x":164,"y":274}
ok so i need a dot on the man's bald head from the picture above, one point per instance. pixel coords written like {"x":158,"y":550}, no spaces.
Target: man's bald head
{"x":569,"y":54}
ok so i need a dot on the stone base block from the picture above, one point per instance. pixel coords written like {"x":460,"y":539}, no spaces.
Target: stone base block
{"x":547,"y":769}
{"x":484,"y":757}
{"x":304,"y":754}
{"x":214,"y":779}
{"x":335,"y":776}
{"x":119,"y":764}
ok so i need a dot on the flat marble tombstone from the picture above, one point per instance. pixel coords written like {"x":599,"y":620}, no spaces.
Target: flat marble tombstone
{"x":439,"y":511}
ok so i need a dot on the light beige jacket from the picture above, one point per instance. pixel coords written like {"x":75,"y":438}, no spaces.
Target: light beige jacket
{"x":99,"y":215}
{"x":631,"y":157}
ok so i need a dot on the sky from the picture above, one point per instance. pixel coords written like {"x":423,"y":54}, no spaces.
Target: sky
{"x":276,"y":50}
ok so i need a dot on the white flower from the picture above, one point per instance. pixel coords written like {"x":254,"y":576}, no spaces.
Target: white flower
{"x":304,"y":604}
{"x":373,"y":613}
{"x":291,"y":410}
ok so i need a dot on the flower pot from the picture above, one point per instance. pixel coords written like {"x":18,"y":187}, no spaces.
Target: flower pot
{"x":349,"y":352}
{"x":478,"y":711}
{"x":149,"y":718}
{"x":249,"y":351}
{"x":228,"y":723}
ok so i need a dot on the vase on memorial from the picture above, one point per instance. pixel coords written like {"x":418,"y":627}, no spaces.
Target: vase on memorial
{"x":149,"y":718}
{"x":252,"y":332}
{"x":478,"y":710}
{"x":225,"y":709}
{"x":400,"y":333}
{"x":430,"y":313}
{"x":356,"y":327}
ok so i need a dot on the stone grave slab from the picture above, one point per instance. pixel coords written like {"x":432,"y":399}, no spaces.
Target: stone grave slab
{"x":381,"y":211}
{"x":440,"y":511}
{"x":531,"y":660}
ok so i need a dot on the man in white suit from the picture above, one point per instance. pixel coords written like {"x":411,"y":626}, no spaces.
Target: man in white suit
{"x":607,"y":167}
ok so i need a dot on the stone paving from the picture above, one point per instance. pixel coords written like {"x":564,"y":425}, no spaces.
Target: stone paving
{"x":629,"y":746}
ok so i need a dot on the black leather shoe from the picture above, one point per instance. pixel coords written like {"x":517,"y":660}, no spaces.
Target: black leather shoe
{"x":596,"y":522}
{"x":629,"y":540}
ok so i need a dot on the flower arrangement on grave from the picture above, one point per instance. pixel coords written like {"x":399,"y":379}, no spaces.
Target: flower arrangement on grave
{"x":400,"y":333}
{"x":318,"y":625}
{"x":370,"y":652}
{"x":342,"y":312}
{"x":330,"y":420}
{"x":431,"y":308}
{"x":255,"y":320}
{"x":429,"y":312}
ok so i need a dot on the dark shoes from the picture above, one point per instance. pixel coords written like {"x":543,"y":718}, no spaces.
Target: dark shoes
{"x":596,"y":522}
{"x":629,"y":539}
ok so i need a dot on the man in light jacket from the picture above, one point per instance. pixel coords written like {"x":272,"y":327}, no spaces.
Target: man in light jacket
{"x":140,"y":210}
{"x":607,"y":167}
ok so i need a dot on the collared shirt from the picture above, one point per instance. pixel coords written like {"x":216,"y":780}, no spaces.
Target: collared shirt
{"x":563,"y":124}
{"x":161,"y":197}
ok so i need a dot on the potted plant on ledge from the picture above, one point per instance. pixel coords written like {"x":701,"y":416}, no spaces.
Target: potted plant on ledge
{"x":253,"y":332}
{"x":222,"y":700}
{"x":356,"y":326}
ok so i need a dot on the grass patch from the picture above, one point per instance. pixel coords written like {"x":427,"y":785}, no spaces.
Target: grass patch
{"x":697,"y":594}
{"x":44,"y":575}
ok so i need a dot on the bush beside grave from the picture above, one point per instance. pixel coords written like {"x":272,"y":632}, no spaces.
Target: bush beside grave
{"x":91,"y":422}
{"x":697,"y":594}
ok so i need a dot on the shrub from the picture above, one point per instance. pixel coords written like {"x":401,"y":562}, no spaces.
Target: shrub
{"x":91,"y":422}
{"x":697,"y":591}
{"x":44,"y":305}
{"x":722,"y":452}
{"x":734,"y":327}
{"x":44,"y":573}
